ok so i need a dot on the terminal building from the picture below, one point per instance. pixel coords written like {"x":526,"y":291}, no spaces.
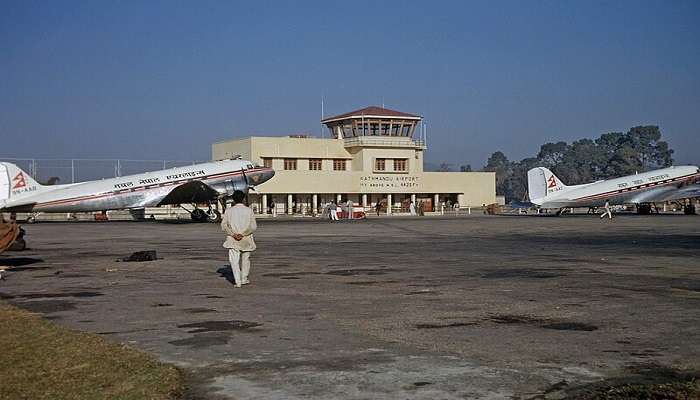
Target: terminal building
{"x":373,"y":155}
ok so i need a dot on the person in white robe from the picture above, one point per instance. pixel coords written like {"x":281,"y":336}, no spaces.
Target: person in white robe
{"x":239,"y":224}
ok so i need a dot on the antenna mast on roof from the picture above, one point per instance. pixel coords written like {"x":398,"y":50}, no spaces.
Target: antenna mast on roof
{"x":322,"y":115}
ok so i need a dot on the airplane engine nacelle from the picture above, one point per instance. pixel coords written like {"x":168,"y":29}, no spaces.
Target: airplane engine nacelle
{"x":232,"y":186}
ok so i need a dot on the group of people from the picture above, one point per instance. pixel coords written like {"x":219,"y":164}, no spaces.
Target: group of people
{"x":334,"y":211}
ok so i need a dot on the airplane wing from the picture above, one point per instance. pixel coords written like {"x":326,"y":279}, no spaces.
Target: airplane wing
{"x":686,"y":192}
{"x":190,"y":192}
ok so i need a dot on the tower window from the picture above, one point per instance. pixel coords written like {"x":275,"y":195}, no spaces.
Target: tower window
{"x":400,"y":164}
{"x":338,"y":165}
{"x":379,"y":164}
{"x":290,"y":164}
{"x":315,"y":164}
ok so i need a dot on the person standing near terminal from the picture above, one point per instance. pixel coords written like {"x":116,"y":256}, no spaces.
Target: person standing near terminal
{"x":608,"y":211}
{"x":412,"y":208}
{"x":350,"y":205}
{"x":239,"y":224}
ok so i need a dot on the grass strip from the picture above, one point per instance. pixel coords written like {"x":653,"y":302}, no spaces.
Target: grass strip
{"x":40,"y":360}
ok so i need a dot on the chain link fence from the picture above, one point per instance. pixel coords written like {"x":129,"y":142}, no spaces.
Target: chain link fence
{"x":80,"y":169}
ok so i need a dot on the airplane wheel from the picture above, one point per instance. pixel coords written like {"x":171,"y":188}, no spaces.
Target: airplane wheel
{"x":198,"y":215}
{"x":214,"y":216}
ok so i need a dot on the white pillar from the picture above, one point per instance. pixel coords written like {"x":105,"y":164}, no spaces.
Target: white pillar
{"x":338,"y":198}
{"x":413,"y":198}
{"x":264,"y":204}
{"x":389,"y":203}
{"x":364,"y":201}
{"x":289,"y":204}
{"x":314,"y":204}
{"x":436,"y":202}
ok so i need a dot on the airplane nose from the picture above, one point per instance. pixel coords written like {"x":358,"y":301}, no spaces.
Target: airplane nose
{"x":264,"y":175}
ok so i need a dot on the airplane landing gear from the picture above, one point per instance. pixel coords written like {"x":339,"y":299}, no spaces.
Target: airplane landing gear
{"x":211,"y":215}
{"x":644,"y":208}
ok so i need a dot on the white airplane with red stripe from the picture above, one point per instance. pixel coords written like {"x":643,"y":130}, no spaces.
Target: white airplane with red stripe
{"x":194,"y":184}
{"x":667,"y":184}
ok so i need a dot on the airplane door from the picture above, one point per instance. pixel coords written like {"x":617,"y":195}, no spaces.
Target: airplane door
{"x":4,"y":184}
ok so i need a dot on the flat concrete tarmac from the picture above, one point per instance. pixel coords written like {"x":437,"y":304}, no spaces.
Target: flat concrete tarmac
{"x":395,"y":308}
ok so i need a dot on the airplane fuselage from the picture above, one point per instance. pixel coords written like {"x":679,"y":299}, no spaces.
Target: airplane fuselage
{"x":639,"y":188}
{"x":137,"y":191}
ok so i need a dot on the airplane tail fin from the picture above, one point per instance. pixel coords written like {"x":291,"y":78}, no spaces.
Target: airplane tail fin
{"x":541,"y":182}
{"x":16,"y":184}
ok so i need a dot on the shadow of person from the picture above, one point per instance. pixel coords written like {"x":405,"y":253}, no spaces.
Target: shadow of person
{"x":225,"y":272}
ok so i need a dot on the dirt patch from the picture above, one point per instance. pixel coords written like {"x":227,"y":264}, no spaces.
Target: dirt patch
{"x":368,"y":283}
{"x":219,"y":326}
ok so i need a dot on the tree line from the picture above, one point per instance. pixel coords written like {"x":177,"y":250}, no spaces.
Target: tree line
{"x":611,"y":155}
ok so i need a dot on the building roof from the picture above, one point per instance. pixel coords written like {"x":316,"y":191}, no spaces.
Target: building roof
{"x":371,"y":111}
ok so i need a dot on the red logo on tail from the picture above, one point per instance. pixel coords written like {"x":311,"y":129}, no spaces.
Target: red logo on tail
{"x":552,"y":182}
{"x":19,"y":181}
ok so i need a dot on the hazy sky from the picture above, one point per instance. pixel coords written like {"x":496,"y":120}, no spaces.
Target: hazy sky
{"x":149,"y":79}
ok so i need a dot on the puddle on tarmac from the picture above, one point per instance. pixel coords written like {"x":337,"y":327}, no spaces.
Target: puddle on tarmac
{"x":199,"y":310}
{"x":520,"y":273}
{"x":440,"y":326}
{"x":47,"y":306}
{"x":570,"y":326}
{"x":200,"y":341}
{"x":359,"y":271}
{"x":514,"y":319}
{"x":219,"y":326}
{"x":53,"y":295}
{"x":284,"y":275}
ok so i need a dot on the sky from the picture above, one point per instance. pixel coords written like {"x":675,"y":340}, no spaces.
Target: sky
{"x":165,"y":79}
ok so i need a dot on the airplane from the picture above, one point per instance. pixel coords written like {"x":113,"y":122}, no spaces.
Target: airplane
{"x":667,"y":184}
{"x":195,"y":184}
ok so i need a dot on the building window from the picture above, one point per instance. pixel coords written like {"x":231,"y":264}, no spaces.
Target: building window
{"x":379,"y":164}
{"x":400,"y":164}
{"x":315,"y":164}
{"x":267,"y":162}
{"x":290,"y":164}
{"x":338,"y":165}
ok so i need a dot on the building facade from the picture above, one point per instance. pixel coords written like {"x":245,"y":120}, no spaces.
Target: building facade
{"x":372,"y":156}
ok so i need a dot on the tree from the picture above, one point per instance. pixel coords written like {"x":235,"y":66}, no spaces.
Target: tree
{"x":465,"y":168}
{"x":498,"y":163}
{"x":445,"y":167}
{"x":611,"y":155}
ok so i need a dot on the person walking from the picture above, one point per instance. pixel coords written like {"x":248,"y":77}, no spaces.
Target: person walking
{"x":378,"y":207}
{"x":350,"y":205}
{"x":239,"y":224}
{"x":608,"y":210}
{"x":412,"y":207}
